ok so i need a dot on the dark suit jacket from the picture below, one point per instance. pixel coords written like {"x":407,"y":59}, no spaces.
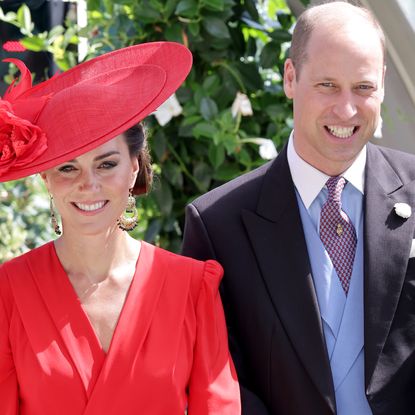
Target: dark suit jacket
{"x":252,"y":226}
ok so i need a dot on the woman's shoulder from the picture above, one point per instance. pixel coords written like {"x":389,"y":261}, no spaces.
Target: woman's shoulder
{"x":180,"y":266}
{"x":19,"y":261}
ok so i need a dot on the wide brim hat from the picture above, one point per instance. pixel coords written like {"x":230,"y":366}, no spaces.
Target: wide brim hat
{"x":78,"y":110}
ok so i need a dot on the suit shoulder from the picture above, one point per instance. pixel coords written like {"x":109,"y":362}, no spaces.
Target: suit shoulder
{"x":243,"y":189}
{"x":403,"y":163}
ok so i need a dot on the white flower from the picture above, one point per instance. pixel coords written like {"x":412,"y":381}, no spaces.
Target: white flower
{"x":403,"y":210}
{"x":169,"y":109}
{"x":267,"y":148}
{"x":241,"y":105}
{"x":378,"y":131}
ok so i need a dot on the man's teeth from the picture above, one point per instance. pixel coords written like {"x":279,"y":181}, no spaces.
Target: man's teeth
{"x":90,"y":207}
{"x":341,"y":132}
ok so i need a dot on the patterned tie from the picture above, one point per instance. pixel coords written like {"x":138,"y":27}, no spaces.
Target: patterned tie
{"x":337,"y":232}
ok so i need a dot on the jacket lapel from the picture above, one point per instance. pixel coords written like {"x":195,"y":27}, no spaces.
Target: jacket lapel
{"x":387,"y":246}
{"x":278,"y":241}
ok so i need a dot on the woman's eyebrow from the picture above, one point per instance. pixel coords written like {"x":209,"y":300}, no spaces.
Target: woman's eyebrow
{"x":103,"y":156}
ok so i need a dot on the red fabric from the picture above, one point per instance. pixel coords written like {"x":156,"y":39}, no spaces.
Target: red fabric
{"x":170,"y":342}
{"x":13,"y":46}
{"x":93,"y":102}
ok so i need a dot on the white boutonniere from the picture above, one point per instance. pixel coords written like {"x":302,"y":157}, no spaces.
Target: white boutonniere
{"x":403,"y":210}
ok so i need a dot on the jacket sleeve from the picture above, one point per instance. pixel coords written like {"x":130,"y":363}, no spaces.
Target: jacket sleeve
{"x":8,"y":379}
{"x":213,"y":386}
{"x":197,"y":244}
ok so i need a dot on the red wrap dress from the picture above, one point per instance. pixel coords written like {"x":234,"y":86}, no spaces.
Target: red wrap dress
{"x":169,"y":350}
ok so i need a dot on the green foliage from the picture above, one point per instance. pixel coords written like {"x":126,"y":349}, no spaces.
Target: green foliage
{"x":24,"y":216}
{"x":237,"y":46}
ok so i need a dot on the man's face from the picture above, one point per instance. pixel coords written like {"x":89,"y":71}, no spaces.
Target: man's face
{"x":337,"y":95}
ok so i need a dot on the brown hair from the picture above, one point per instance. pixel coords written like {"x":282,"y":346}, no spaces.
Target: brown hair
{"x":310,"y":19}
{"x":136,"y":140}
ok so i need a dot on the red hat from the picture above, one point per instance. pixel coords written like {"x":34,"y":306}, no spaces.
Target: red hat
{"x":82,"y":108}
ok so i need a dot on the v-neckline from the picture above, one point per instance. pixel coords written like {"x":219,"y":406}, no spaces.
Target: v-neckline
{"x":76,"y":339}
{"x":93,"y":336}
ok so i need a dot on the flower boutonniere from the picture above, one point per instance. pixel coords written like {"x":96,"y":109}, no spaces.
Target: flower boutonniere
{"x":403,"y":210}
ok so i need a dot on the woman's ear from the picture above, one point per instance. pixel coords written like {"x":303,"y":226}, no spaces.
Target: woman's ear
{"x":135,"y":169}
{"x":44,"y":177}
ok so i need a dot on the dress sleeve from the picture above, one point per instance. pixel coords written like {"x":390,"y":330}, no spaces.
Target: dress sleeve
{"x":8,"y":379}
{"x":213,"y":386}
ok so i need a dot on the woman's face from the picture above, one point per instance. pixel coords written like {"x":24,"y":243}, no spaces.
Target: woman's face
{"x":91,"y":191}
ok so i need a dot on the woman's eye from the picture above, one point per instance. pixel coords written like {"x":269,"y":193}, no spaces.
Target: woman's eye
{"x":107,"y":165}
{"x":66,"y":169}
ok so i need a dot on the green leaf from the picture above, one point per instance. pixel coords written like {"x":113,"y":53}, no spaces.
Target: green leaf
{"x":187,"y":8}
{"x":24,"y":18}
{"x":158,"y":144}
{"x":216,"y":27}
{"x":250,"y":75}
{"x":174,"y":33}
{"x":203,"y":174}
{"x":169,"y":8}
{"x":281,"y":35}
{"x":172,"y":172}
{"x":153,"y":229}
{"x":164,"y":198}
{"x":33,"y":43}
{"x":244,"y":157}
{"x":211,"y":84}
{"x":227,"y":172}
{"x":204,"y":129}
{"x":216,"y":155}
{"x":285,"y":19}
{"x":251,"y":8}
{"x":214,"y":5}
{"x":270,"y":54}
{"x":148,"y":15}
{"x":194,"y":28}
{"x":208,"y":108}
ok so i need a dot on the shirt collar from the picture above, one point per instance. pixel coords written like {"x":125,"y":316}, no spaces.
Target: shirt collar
{"x":309,"y":181}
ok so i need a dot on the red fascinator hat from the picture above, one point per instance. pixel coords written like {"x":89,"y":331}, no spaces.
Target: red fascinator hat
{"x":82,"y":108}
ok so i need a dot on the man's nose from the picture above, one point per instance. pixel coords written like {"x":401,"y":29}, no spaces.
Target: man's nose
{"x":345,"y":106}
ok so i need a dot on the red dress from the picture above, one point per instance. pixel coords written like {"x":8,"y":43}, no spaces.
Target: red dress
{"x":168,"y":352}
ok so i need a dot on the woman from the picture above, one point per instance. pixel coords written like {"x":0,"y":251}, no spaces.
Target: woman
{"x":97,"y":322}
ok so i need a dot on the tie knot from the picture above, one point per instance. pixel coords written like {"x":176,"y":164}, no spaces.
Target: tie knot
{"x":335,"y":186}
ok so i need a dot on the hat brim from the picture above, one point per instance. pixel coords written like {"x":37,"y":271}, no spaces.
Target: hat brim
{"x":101,"y":98}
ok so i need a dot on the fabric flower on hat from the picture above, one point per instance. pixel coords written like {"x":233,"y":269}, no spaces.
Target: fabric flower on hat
{"x":20,"y":140}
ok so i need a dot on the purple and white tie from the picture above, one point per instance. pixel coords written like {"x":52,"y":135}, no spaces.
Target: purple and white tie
{"x":337,"y":232}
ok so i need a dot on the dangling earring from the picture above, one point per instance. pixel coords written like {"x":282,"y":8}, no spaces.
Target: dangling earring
{"x":53,"y":219}
{"x":128,"y":220}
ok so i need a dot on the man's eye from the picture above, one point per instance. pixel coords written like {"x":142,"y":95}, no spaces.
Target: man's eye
{"x":365,"y":87}
{"x":328,"y":84}
{"x":66,"y":169}
{"x":107,"y":165}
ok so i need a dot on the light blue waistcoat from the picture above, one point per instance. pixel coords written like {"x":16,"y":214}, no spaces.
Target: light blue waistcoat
{"x":342,"y":317}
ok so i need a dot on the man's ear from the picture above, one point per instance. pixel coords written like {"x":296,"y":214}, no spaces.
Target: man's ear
{"x":289,"y":78}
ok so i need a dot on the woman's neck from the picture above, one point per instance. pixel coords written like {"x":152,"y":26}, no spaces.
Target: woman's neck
{"x":96,"y":256}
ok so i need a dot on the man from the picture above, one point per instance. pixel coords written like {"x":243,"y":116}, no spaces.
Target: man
{"x":321,"y":311}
